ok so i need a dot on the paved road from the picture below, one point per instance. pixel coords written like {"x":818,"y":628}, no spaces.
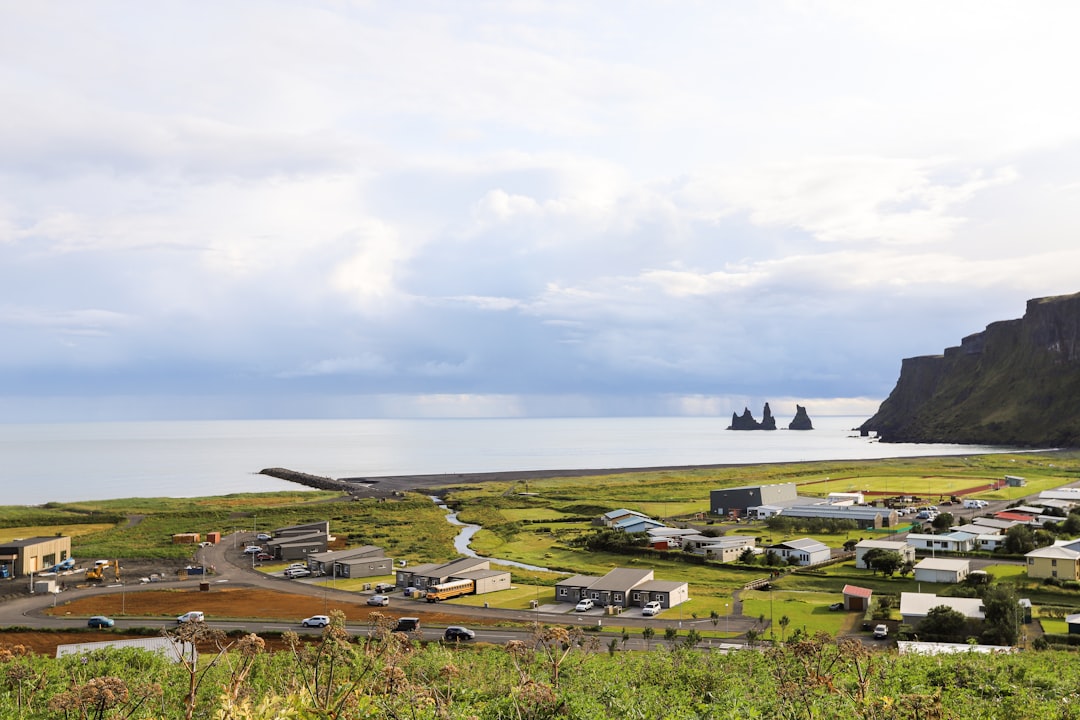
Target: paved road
{"x":234,"y":568}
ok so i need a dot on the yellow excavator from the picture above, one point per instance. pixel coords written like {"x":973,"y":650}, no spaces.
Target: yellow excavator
{"x":97,"y":573}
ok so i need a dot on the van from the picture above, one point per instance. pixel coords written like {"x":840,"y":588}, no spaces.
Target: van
{"x":976,"y":504}
{"x":407,"y":624}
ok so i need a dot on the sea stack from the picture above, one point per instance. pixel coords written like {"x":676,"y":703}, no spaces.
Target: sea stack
{"x":746,"y":421}
{"x":801,"y":421}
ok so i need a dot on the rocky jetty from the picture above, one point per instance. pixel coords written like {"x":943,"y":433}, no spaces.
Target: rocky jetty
{"x":313,"y":481}
{"x":1016,"y":383}
{"x":746,"y":421}
{"x":801,"y":421}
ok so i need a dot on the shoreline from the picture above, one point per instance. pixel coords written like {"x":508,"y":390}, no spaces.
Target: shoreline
{"x":439,"y":483}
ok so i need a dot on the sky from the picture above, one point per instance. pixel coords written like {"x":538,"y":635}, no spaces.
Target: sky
{"x":511,"y":208}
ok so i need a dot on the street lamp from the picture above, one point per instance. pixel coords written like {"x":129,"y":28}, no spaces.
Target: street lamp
{"x":727,"y":620}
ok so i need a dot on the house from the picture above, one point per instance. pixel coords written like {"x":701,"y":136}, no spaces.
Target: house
{"x":34,"y":555}
{"x":844,"y":498}
{"x":174,"y":650}
{"x":950,"y":542}
{"x":476,"y":569}
{"x":634,"y":524}
{"x":1017,"y":517}
{"x":1000,"y":525}
{"x":323,"y":563}
{"x":609,"y":519}
{"x":1055,"y":561}
{"x":297,"y":542}
{"x":734,"y":502}
{"x":1015,"y":481}
{"x":622,"y":587}
{"x":1073,"y":621}
{"x":727,"y":548}
{"x":914,"y":607}
{"x":804,"y":551}
{"x":905,"y":647}
{"x":942,"y":570}
{"x":990,"y":542}
{"x":857,"y":598}
{"x":865,"y":517}
{"x":665,"y":538}
{"x":907,"y":552}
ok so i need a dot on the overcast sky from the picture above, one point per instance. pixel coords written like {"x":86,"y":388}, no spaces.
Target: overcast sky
{"x":325,"y":209}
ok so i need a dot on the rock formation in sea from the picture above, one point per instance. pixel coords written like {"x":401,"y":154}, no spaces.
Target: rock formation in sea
{"x":1015,"y":383}
{"x":801,"y":421}
{"x":746,"y":421}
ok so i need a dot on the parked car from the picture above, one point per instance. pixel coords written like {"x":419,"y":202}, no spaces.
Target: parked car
{"x":192,"y":616}
{"x":455,"y":633}
{"x":881,"y":632}
{"x":263,"y":537}
{"x":295,"y":572}
{"x":315,"y":621}
{"x":412,"y":592}
{"x":837,"y":606}
{"x":378,"y":600}
{"x":407,"y":624}
{"x":651,"y":608}
{"x":252,"y":550}
{"x":264,"y":556}
{"x":100,"y":621}
{"x":584,"y":605}
{"x":384,"y":587}
{"x":206,"y":544}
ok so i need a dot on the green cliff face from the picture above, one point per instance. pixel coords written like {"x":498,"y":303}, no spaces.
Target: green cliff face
{"x":1015,"y":383}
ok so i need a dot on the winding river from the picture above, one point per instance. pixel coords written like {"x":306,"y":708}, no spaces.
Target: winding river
{"x":464,"y":537}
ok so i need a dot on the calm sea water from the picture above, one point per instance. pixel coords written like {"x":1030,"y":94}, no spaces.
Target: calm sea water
{"x":87,"y":461}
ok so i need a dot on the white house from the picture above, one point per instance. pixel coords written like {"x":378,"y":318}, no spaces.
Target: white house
{"x":907,"y":552}
{"x":916,"y":606}
{"x":728,"y":548}
{"x":952,"y":542}
{"x":804,"y":551}
{"x":942,"y":570}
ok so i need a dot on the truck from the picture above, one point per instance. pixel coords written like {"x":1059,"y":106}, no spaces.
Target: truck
{"x":452,"y":589}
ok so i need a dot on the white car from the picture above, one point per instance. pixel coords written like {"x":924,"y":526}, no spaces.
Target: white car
{"x":193,"y":616}
{"x":315,"y":621}
{"x":881,"y":632}
{"x":378,"y":600}
{"x":584,"y":606}
{"x":263,"y":536}
{"x":252,"y":550}
{"x":651,"y":608}
{"x":295,"y":572}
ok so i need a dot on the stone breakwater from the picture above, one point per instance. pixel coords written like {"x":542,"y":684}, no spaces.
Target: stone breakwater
{"x":307,"y":479}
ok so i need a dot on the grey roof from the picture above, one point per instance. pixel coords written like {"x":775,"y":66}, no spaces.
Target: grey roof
{"x":804,"y":544}
{"x":419,"y":569}
{"x":837,"y":511}
{"x":579,"y":580}
{"x":339,"y":555}
{"x":456,"y":567}
{"x":26,"y":542}
{"x":480,"y":574}
{"x":622,"y":579}
{"x":660,"y":586}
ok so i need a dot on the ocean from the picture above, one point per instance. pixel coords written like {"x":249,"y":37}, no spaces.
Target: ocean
{"x":40,"y":463}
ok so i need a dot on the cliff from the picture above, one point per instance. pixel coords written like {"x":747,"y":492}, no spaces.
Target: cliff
{"x":746,"y":421}
{"x":1015,"y":383}
{"x":801,"y":421}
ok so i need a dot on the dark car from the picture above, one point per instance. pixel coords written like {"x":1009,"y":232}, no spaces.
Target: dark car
{"x":837,"y":606}
{"x":264,"y":556}
{"x":407,"y":624}
{"x":455,"y":633}
{"x":100,"y":621}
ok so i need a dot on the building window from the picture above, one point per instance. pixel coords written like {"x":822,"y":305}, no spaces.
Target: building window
{"x":636,"y":596}
{"x":1053,"y":563}
{"x":562,"y":592}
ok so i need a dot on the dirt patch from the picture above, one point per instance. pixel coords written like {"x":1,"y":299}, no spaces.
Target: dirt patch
{"x":233,"y":603}
{"x":159,"y":607}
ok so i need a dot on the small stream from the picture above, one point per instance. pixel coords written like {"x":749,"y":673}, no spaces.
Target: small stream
{"x":464,"y":537}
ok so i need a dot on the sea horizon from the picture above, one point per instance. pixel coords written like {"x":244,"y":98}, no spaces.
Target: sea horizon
{"x":56,"y":462}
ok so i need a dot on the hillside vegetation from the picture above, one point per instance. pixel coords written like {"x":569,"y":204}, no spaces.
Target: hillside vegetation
{"x":557,"y":674}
